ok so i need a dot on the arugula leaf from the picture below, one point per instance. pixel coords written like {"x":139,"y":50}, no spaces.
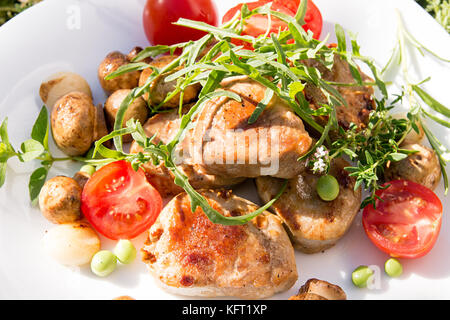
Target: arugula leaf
{"x":187,"y":118}
{"x":131,"y":67}
{"x":437,"y":119}
{"x":431,"y":102}
{"x":442,"y":152}
{"x":354,"y":70}
{"x":217,"y":31}
{"x":295,"y":88}
{"x":197,"y":47}
{"x":120,"y":115}
{"x":301,"y":12}
{"x":197,"y":200}
{"x":268,"y":95}
{"x":151,"y":52}
{"x":340,"y":35}
{"x":4,"y":132}
{"x":355,"y":46}
{"x":213,"y":82}
{"x":331,"y":120}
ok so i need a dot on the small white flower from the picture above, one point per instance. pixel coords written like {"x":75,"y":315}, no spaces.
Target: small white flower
{"x":319,"y":166}
{"x":321,"y":152}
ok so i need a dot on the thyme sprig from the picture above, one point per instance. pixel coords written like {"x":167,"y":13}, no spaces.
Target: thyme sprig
{"x":372,"y":147}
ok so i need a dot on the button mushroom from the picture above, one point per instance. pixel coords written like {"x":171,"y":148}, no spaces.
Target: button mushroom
{"x":60,"y":84}
{"x":60,"y":200}
{"x":160,"y":88}
{"x":111,"y":63}
{"x":137,"y":110}
{"x":134,"y":52}
{"x":76,"y":123}
{"x":315,"y":289}
{"x":412,"y":136}
{"x":421,"y":167}
{"x":82,"y":176}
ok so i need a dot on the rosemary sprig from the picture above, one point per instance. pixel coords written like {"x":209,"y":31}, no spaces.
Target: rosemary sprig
{"x":415,"y":93}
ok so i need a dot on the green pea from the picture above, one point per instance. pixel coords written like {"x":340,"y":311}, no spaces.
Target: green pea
{"x":361,"y":275}
{"x":88,"y":169}
{"x":393,"y":268}
{"x":327,"y":188}
{"x":103,"y":263}
{"x":125,"y":251}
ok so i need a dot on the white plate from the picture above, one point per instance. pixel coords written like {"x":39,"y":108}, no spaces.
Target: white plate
{"x":47,"y":38}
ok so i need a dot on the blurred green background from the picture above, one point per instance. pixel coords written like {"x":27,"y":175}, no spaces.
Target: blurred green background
{"x":439,"y":9}
{"x":9,"y":8}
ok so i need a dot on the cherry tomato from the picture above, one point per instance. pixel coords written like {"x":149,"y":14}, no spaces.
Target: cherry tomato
{"x":313,"y":17}
{"x":257,"y":24}
{"x":119,"y":202}
{"x":160,"y":14}
{"x":406,"y":221}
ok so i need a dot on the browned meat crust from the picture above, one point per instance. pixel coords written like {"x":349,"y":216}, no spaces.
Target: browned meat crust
{"x":190,"y":255}
{"x":359,"y":98}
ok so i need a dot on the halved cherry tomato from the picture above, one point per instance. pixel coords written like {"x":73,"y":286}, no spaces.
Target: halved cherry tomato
{"x":159,"y":16}
{"x":313,"y":17}
{"x":406,"y":221}
{"x":257,"y":24}
{"x":119,"y":202}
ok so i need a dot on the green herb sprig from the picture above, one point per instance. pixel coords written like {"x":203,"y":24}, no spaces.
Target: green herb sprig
{"x":419,"y":112}
{"x":10,"y":8}
{"x":372,"y":147}
{"x":36,"y":148}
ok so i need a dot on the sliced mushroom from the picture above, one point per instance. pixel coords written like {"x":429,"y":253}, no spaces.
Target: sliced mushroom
{"x":60,"y":84}
{"x":315,"y":289}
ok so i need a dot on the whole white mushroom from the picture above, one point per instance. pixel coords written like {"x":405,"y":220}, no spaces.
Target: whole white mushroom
{"x":71,"y":244}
